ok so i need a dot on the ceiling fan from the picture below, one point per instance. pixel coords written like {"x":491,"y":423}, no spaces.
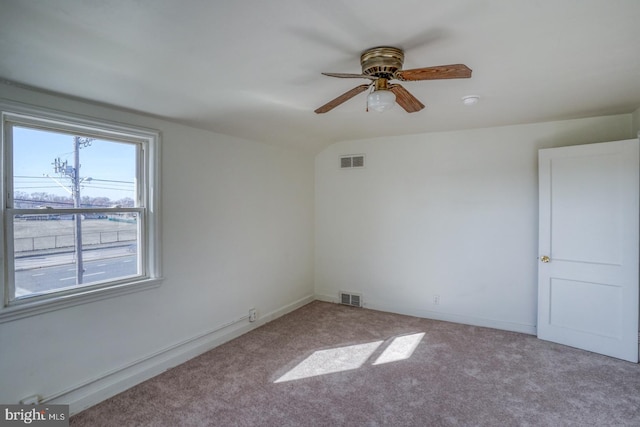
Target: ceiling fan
{"x":381,"y":64}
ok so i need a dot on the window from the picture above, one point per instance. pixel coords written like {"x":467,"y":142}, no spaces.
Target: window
{"x":79,"y":209}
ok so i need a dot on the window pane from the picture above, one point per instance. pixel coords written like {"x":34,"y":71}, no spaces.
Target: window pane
{"x":46,"y":259}
{"x":60,"y":170}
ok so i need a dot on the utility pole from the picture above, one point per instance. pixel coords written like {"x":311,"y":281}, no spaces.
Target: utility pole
{"x":73,"y":172}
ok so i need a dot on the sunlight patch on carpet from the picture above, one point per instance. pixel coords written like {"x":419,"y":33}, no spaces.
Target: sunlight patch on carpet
{"x":352,"y":357}
{"x":333,"y":360}
{"x":401,"y":348}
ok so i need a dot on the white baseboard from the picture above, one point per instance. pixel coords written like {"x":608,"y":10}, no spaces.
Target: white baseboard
{"x":327,"y":298}
{"x":447,"y":317}
{"x":93,"y":391}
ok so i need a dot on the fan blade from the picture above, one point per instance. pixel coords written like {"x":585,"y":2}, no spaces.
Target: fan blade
{"x":350,"y":76}
{"x":342,"y":98}
{"x":454,"y":71}
{"x":407,"y":101}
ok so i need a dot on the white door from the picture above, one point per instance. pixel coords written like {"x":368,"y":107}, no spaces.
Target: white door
{"x":588,"y":247}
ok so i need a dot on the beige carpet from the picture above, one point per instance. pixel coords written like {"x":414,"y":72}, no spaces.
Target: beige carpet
{"x":332,"y":365}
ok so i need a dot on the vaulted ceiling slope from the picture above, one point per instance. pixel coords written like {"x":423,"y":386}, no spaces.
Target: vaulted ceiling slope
{"x":252,"y":68}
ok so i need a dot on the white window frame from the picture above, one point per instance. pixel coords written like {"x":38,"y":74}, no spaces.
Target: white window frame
{"x":148,"y":208}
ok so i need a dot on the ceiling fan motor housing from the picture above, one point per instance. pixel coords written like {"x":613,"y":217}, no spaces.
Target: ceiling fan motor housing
{"x":382,"y":61}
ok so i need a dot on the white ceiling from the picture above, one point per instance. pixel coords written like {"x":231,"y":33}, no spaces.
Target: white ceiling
{"x":252,"y":68}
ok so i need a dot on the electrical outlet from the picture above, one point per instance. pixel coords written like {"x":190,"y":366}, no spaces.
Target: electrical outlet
{"x":436,"y":299}
{"x":252,"y":315}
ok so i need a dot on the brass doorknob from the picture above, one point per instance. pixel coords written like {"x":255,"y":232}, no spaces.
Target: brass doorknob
{"x":545,"y":258}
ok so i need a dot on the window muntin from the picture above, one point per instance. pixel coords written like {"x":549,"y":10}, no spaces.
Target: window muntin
{"x":78,"y":208}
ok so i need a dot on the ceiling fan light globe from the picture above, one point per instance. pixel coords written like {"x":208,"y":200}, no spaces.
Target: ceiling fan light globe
{"x":381,"y":100}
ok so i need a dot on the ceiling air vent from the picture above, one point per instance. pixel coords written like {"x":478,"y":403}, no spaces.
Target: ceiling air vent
{"x":352,"y":161}
{"x":354,"y":300}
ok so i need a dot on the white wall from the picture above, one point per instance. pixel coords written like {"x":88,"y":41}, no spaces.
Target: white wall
{"x":635,"y":130}
{"x":237,"y":232}
{"x":450,"y":214}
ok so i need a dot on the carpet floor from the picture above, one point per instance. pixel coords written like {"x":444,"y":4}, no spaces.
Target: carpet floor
{"x":332,"y":365}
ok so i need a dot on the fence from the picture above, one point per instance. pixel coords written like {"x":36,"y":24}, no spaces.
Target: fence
{"x":26,"y":244}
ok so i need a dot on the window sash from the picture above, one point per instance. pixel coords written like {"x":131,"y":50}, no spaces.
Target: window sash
{"x":142,"y":248}
{"x":146,"y":201}
{"x":20,"y":211}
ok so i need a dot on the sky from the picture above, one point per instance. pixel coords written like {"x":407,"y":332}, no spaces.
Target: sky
{"x":107,"y":168}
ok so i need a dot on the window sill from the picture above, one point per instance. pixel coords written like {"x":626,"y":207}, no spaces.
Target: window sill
{"x":33,"y":308}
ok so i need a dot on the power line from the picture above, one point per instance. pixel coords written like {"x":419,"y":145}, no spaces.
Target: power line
{"x":111,"y":180}
{"x":40,"y":186}
{"x":92,"y":179}
{"x":91,"y":187}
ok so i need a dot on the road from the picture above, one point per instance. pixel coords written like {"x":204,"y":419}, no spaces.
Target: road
{"x":58,"y":271}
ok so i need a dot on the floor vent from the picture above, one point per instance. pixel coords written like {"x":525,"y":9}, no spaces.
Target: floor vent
{"x":353,"y":300}
{"x":352,"y":161}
